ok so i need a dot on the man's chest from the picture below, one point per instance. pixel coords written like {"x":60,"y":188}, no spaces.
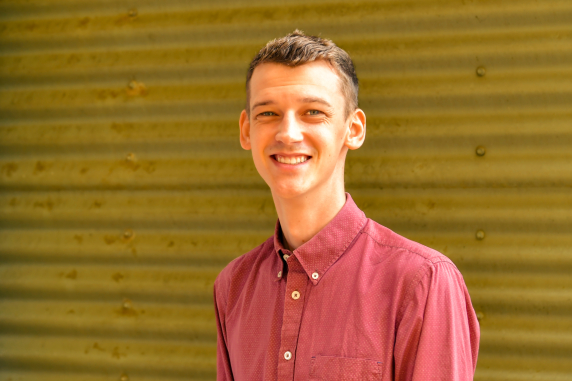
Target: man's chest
{"x":292,"y":329}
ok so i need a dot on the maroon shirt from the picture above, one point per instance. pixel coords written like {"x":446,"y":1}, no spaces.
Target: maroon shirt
{"x":356,"y":302}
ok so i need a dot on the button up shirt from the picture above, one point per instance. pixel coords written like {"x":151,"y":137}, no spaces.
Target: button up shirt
{"x":355,"y":302}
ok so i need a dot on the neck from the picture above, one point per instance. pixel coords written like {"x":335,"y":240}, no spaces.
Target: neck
{"x":302,"y":217}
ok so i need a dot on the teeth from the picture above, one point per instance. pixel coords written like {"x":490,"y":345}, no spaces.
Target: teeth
{"x":291,"y":160}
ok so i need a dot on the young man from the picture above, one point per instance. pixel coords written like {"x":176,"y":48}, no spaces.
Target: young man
{"x":332,"y":295}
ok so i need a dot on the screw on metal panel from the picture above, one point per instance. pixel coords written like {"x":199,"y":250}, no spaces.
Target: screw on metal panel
{"x":127,"y":309}
{"x":132,"y":12}
{"x":480,"y":235}
{"x":127,"y":304}
{"x":128,"y":233}
{"x":136,"y":88}
{"x":481,"y":71}
{"x":480,"y":316}
{"x":480,"y":151}
{"x":130,"y":157}
{"x":124,"y":377}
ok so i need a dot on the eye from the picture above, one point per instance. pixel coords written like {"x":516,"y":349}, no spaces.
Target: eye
{"x":314,"y":112}
{"x":267,"y":113}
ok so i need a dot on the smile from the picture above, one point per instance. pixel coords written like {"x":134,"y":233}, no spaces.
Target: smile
{"x":293,"y":160}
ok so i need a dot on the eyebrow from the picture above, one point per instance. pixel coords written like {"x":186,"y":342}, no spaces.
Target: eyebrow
{"x":303,"y":100}
{"x":263,"y":103}
{"x":315,"y":100}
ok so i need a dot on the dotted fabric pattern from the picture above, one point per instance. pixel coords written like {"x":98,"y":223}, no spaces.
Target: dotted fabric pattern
{"x":381,"y":307}
{"x":344,"y":369}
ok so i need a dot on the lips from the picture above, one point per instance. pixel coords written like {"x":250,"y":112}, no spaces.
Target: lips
{"x":292,"y":160}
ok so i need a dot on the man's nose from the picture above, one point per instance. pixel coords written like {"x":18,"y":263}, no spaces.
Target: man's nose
{"x":289,"y":130}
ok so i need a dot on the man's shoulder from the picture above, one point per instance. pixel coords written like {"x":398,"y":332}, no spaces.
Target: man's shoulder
{"x":411,"y":263}
{"x":395,"y":244}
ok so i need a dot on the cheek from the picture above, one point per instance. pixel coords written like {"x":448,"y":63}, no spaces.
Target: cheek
{"x":259,"y":142}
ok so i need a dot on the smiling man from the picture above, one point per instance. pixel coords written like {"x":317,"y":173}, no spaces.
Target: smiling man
{"x":332,"y":295}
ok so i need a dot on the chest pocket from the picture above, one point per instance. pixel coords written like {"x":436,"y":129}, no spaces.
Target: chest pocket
{"x":331,"y":368}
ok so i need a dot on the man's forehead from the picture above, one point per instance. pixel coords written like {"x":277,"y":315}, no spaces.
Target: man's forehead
{"x":268,"y":76}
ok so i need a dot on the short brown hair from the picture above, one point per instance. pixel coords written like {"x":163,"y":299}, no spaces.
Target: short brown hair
{"x":296,"y":49}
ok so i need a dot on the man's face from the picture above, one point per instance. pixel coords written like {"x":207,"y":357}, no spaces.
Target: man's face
{"x":297,"y":129}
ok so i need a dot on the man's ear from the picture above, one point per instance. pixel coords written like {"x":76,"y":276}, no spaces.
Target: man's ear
{"x":244,"y":124}
{"x":356,"y":129}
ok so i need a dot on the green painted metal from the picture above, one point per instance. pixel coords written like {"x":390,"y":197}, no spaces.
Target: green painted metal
{"x":124,"y":190}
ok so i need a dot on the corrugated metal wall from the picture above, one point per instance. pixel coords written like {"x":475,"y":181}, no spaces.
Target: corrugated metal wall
{"x":124,"y":190}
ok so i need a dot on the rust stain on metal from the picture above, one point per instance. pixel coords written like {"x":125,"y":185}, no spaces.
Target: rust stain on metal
{"x":9,"y":168}
{"x":84,"y":22}
{"x":105,"y":94}
{"x":41,"y":167}
{"x":96,"y":204}
{"x":72,"y":274}
{"x":117,"y":353}
{"x":48,"y":204}
{"x":124,"y":129}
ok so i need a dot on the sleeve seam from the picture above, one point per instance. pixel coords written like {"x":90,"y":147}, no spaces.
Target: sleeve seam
{"x":419,"y":276}
{"x":447,"y":260}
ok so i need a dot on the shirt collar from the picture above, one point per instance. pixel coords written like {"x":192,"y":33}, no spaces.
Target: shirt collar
{"x":323,"y":249}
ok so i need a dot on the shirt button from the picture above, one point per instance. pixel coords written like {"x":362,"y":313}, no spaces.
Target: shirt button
{"x":279,"y":274}
{"x":287,"y":355}
{"x":286,"y":256}
{"x":315,"y":275}
{"x":295,"y":295}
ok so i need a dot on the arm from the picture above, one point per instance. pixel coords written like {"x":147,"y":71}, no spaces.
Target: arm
{"x":438,"y":333}
{"x":224,"y":371}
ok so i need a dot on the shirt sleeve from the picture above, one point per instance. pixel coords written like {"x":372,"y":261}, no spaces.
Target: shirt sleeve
{"x":437,"y":336}
{"x":223,"y":369}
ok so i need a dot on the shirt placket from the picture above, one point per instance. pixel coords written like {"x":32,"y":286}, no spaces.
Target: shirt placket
{"x":293,"y":307}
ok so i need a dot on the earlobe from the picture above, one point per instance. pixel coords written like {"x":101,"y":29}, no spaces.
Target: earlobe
{"x":244,"y":124}
{"x":356,"y":130}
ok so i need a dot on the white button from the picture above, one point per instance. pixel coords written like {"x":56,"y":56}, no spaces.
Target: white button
{"x":286,"y":256}
{"x":295,"y":295}
{"x":315,"y":276}
{"x":279,"y":274}
{"x":287,"y":355}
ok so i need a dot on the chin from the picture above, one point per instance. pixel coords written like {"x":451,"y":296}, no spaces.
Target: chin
{"x":288,"y":190}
